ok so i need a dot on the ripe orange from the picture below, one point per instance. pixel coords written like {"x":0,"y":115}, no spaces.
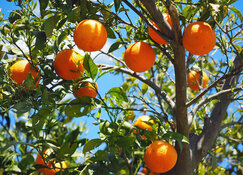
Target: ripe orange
{"x":199,"y":38}
{"x":145,"y":171}
{"x":154,"y":35}
{"x":51,"y":170}
{"x":160,"y":156}
{"x":88,"y":90}
{"x":194,"y":81}
{"x":139,"y":57}
{"x":19,"y":72}
{"x":90,"y":35}
{"x":142,"y":122}
{"x":68,"y":64}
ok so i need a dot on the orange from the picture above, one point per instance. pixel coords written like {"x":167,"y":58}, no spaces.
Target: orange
{"x":51,"y":170}
{"x":19,"y":72}
{"x":145,"y":171}
{"x":142,"y":122}
{"x":194,"y":80}
{"x":199,"y":38}
{"x":90,"y":35}
{"x":68,"y":64}
{"x":160,"y":156}
{"x":139,"y":57}
{"x":119,"y":150}
{"x":154,"y":35}
{"x":88,"y":90}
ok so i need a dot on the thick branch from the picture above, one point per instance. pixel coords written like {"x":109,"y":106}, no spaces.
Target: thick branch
{"x":158,"y":18}
{"x":143,"y":79}
{"x":211,"y":128}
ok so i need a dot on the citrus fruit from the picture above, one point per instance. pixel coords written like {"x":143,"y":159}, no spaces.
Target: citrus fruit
{"x":90,"y":35}
{"x":19,"y":72}
{"x":50,"y":170}
{"x":154,"y":35}
{"x":194,"y":80}
{"x":142,"y":122}
{"x":145,"y":171}
{"x":68,"y":64}
{"x":160,"y":156}
{"x":86,"y":90}
{"x":139,"y":57}
{"x":199,"y":38}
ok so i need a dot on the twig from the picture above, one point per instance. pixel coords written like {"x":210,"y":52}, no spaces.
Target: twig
{"x":231,"y":139}
{"x":143,"y":79}
{"x":214,"y":96}
{"x":211,"y":86}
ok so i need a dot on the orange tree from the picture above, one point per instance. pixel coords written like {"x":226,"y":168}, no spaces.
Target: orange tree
{"x":204,"y":126}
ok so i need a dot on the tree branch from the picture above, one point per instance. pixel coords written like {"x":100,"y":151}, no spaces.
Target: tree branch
{"x":143,"y":79}
{"x":211,"y":128}
{"x":234,"y":72}
{"x":214,"y":96}
{"x":158,"y":18}
{"x":231,"y":139}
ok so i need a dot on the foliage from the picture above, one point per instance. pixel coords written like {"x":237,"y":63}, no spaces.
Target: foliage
{"x":33,"y":120}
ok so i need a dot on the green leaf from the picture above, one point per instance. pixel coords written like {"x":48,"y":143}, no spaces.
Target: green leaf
{"x":61,"y":23}
{"x":1,"y":52}
{"x":66,"y":148}
{"x":40,"y":40}
{"x":117,"y":4}
{"x":231,"y":2}
{"x":100,"y":155}
{"x":78,"y":107}
{"x":118,"y":93}
{"x":21,"y":107}
{"x":176,"y":136}
{"x":49,"y":25}
{"x":91,"y":144}
{"x":62,"y":37}
{"x":90,"y":67}
{"x":13,"y":16}
{"x":74,"y":14}
{"x":114,"y":47}
{"x":110,"y":33}
{"x":43,"y":5}
{"x":98,"y":114}
{"x":73,"y":135}
{"x":144,"y":88}
{"x":26,"y":161}
{"x":237,"y":12}
{"x":38,"y":120}
{"x":126,"y":141}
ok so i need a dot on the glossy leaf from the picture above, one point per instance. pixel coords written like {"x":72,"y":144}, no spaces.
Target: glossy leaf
{"x":91,"y":144}
{"x":90,"y":67}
